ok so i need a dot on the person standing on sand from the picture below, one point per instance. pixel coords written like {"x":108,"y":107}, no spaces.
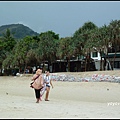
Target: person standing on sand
{"x":38,"y":83}
{"x":48,"y":82}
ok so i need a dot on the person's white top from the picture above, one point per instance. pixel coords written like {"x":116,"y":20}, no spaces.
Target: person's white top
{"x":47,"y":79}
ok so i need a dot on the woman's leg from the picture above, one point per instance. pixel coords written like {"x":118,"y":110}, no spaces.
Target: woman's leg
{"x":37,"y":94}
{"x":47,"y":93}
{"x":42,"y":91}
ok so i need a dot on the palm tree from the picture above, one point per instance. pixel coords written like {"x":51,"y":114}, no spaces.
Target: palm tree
{"x":114,"y":29}
{"x":66,"y":50}
{"x":48,"y":47}
{"x":81,"y":36}
{"x":7,"y":43}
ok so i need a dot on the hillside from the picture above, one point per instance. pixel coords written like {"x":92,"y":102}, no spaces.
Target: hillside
{"x":19,"y":31}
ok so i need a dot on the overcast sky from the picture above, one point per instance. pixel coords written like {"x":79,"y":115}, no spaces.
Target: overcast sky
{"x":63,"y":18}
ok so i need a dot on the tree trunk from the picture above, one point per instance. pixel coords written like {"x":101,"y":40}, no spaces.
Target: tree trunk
{"x":68,"y":63}
{"x":85,"y":64}
{"x":43,"y":67}
{"x":113,"y":60}
{"x":100,"y":60}
{"x":25,"y":66}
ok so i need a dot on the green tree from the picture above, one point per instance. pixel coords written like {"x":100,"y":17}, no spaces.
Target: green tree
{"x":21,"y":50}
{"x":66,"y":49}
{"x":8,"y":40}
{"x":114,"y":30}
{"x":81,"y":37}
{"x":47,"y":47}
{"x":7,"y":43}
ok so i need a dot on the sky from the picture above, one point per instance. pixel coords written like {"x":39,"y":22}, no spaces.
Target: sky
{"x":61,"y":17}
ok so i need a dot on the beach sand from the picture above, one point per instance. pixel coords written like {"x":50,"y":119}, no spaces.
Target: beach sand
{"x":67,"y":99}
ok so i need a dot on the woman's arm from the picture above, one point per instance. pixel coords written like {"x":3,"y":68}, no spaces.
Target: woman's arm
{"x":41,"y":81}
{"x":51,"y":83}
{"x":33,"y":78}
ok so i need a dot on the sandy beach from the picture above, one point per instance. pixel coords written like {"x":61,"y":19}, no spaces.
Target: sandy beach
{"x":67,"y":99}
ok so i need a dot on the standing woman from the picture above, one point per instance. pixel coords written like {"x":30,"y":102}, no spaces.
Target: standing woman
{"x":47,"y":80}
{"x":38,"y":83}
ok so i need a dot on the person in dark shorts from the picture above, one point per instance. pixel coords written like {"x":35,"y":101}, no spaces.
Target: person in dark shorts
{"x":48,"y":81}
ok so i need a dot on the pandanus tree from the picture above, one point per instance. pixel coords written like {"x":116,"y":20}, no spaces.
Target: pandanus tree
{"x":78,"y":43}
{"x":47,"y":47}
{"x":95,"y":43}
{"x":7,"y":63}
{"x":7,"y":43}
{"x":114,"y":30}
{"x":100,"y":42}
{"x":88,"y":48}
{"x":20,"y":51}
{"x":66,"y":50}
{"x":32,"y":59}
{"x":81,"y":37}
{"x":105,"y":42}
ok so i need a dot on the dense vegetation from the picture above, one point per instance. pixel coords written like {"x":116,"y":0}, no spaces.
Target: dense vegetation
{"x":47,"y":46}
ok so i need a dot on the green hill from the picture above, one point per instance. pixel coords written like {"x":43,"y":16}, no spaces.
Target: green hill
{"x":19,"y":31}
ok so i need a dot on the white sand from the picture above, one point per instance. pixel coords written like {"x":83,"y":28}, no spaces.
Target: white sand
{"x":67,"y":99}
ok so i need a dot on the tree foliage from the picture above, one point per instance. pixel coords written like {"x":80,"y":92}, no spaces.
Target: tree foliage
{"x":32,"y":51}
